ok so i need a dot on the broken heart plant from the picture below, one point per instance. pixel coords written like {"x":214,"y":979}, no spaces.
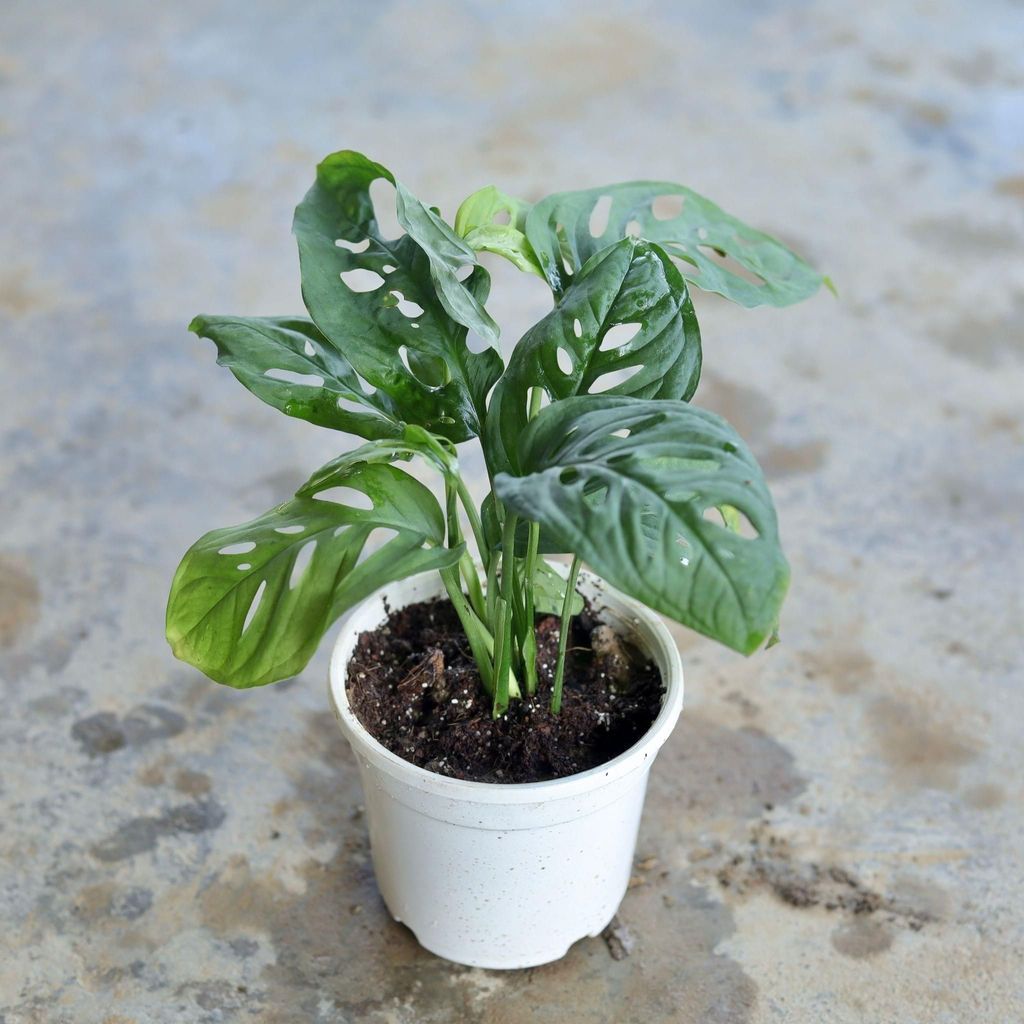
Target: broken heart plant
{"x":592,"y":446}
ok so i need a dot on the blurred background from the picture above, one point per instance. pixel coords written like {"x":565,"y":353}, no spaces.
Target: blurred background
{"x":834,"y":831}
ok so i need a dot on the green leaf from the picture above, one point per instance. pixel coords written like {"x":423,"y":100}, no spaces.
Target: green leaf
{"x":448,"y":255}
{"x":289,"y":364}
{"x":244,"y":610}
{"x":700,"y":236}
{"x":570,"y":352}
{"x":549,"y":591}
{"x":634,"y":508}
{"x":491,"y":221}
{"x":413,"y":441}
{"x":420,"y":360}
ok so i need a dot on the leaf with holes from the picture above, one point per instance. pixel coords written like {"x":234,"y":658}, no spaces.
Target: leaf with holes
{"x":641,"y":509}
{"x":412,"y":442}
{"x":716,"y":252}
{"x":491,"y":221}
{"x":289,"y":364}
{"x":449,"y":256}
{"x":249,"y":603}
{"x":374,"y":298}
{"x":624,"y":325}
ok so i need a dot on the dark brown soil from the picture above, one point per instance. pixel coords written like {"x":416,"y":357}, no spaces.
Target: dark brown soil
{"x":413,"y":684}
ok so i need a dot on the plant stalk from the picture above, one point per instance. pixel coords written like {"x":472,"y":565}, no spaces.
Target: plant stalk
{"x":563,"y":635}
{"x":474,"y":521}
{"x":503,"y":610}
{"x":481,"y":642}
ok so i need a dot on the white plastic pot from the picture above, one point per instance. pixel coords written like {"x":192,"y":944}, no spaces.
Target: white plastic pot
{"x":505,"y":876}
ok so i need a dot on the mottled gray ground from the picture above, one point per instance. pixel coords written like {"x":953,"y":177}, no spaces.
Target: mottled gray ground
{"x":834,"y":833}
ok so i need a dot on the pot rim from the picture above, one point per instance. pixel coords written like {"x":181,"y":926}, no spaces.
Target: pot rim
{"x":665,"y":653}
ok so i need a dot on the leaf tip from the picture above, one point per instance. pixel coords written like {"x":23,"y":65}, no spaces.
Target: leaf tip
{"x":830,"y":285}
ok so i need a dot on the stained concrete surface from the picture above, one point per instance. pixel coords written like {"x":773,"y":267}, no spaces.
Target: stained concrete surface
{"x":834,"y":833}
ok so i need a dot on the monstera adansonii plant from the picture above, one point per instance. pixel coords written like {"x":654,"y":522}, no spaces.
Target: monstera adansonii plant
{"x":592,"y":446}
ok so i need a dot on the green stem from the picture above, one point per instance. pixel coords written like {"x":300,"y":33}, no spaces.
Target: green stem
{"x":503,"y":626}
{"x":563,"y":635}
{"x":473,"y":588}
{"x":474,"y":521}
{"x":492,"y":590}
{"x":469,"y":573}
{"x":529,"y":636}
{"x":481,"y":643}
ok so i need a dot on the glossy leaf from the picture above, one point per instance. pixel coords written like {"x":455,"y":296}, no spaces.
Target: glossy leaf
{"x":491,"y":221}
{"x":250,"y":603}
{"x":449,"y":255}
{"x":289,"y":364}
{"x":633,"y":507}
{"x":561,"y":229}
{"x":573,"y":349}
{"x":413,"y":441}
{"x":397,"y":335}
{"x":549,"y":591}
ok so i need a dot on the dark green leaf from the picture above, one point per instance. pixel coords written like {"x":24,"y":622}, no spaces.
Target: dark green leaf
{"x":571,"y":351}
{"x":758,"y":270}
{"x":290,"y":365}
{"x":420,"y":360}
{"x":448,"y":255}
{"x":634,"y":508}
{"x":491,"y":221}
{"x":244,"y":610}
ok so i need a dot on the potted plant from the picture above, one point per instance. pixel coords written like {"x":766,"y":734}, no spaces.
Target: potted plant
{"x":505,"y":711}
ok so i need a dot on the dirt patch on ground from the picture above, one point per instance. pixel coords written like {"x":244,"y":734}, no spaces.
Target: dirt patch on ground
{"x":770,"y":862}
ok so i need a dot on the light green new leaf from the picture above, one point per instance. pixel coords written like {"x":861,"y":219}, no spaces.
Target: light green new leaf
{"x":448,"y":255}
{"x":250,"y":603}
{"x":375,"y":299}
{"x":573,"y":351}
{"x":641,"y":509}
{"x":289,"y":364}
{"x":569,"y":227}
{"x":491,"y":221}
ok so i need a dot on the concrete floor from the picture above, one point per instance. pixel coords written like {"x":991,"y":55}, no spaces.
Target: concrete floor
{"x":834,"y":833}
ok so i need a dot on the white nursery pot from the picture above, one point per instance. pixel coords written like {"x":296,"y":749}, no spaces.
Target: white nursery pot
{"x":505,"y":876}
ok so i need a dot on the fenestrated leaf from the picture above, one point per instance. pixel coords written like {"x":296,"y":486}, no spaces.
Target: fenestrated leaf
{"x":491,"y":221}
{"x":634,"y":508}
{"x":413,"y":441}
{"x":244,"y":610}
{"x":420,"y":360}
{"x":448,"y":255}
{"x":290,"y":365}
{"x":570,"y":351}
{"x":559,"y":229}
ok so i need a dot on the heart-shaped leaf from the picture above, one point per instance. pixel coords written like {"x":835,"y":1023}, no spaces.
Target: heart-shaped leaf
{"x":249,"y":603}
{"x":290,"y":365}
{"x":631,"y":288}
{"x":641,"y":509}
{"x":375,"y":299}
{"x":491,"y":221}
{"x":449,"y":255}
{"x":717,"y":252}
